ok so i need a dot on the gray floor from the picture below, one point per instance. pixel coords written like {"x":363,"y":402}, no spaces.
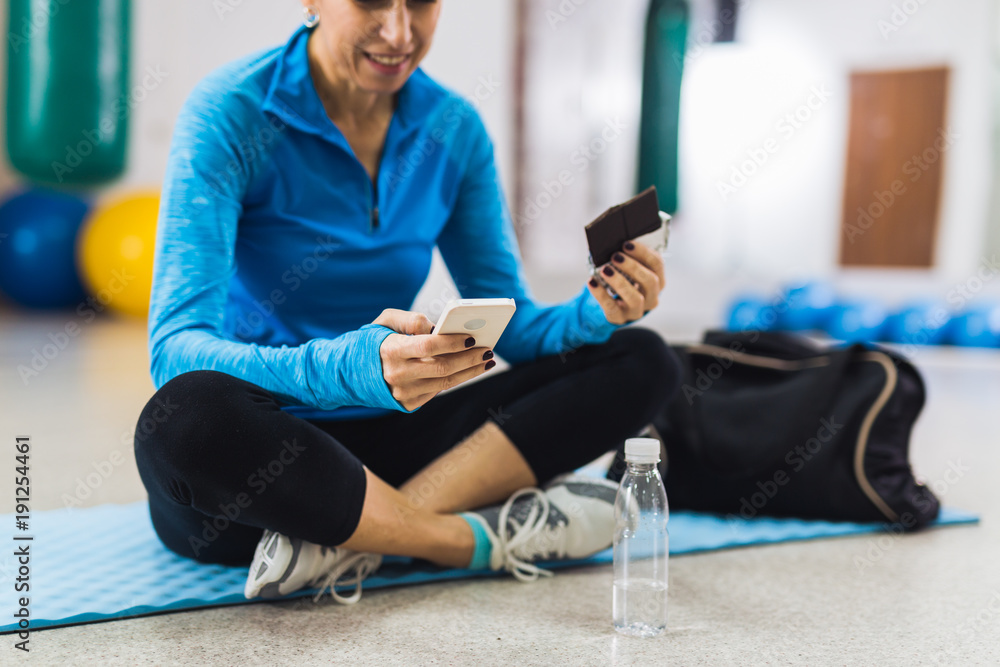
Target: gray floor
{"x":932,"y":598}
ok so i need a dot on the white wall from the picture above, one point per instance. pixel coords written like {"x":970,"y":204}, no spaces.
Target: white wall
{"x":582,"y":91}
{"x":786,"y":219}
{"x":993,"y":236}
{"x":186,"y":39}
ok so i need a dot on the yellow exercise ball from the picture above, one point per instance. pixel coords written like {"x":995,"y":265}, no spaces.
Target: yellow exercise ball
{"x":115,"y":253}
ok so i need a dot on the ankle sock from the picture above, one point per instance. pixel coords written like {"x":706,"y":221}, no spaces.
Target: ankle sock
{"x":483,"y":548}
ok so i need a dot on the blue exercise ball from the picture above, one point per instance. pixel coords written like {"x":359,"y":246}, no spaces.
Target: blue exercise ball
{"x":857,"y":321}
{"x":977,"y":327}
{"x":38,"y":231}
{"x":750,"y":313}
{"x":808,"y":305}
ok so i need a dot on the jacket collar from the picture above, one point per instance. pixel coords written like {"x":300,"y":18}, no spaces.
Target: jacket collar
{"x":292,"y":96}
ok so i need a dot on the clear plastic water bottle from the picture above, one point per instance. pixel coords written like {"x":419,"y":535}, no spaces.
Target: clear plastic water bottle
{"x":641,"y":543}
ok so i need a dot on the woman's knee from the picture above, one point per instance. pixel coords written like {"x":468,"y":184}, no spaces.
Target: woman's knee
{"x":653,"y":365}
{"x":182,"y":412}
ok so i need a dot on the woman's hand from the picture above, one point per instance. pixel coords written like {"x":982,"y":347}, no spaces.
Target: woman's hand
{"x":645,"y":268}
{"x":417,"y":365}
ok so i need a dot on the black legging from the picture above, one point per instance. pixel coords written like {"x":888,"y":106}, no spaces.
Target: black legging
{"x":221,"y":461}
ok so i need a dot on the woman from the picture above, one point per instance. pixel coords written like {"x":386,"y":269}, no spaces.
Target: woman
{"x":305,"y":191}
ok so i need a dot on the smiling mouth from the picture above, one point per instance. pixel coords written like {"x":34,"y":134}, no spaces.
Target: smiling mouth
{"x":388,"y":61}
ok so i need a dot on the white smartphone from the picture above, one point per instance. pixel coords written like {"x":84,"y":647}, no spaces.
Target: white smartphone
{"x":483,"y":319}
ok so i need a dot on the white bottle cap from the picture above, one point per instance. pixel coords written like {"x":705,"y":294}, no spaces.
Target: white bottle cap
{"x":642,"y":450}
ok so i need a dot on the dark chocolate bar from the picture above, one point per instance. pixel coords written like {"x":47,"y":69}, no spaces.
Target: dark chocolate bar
{"x":624,"y":222}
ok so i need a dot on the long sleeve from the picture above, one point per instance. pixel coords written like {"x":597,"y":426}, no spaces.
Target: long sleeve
{"x":207,"y":177}
{"x":480,"y":247}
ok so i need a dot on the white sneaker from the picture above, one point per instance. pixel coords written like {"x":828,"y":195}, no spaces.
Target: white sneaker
{"x":283,"y":565}
{"x":573,"y":517}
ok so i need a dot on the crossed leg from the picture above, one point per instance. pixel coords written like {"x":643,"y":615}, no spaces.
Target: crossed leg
{"x":391,"y":484}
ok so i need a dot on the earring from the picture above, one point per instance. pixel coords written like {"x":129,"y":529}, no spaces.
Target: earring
{"x":311,"y":16}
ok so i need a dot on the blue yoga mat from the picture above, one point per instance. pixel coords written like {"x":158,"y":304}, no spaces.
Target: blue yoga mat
{"x":105,"y":562}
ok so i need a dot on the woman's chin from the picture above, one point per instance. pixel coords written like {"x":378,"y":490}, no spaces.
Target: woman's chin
{"x":381,"y":84}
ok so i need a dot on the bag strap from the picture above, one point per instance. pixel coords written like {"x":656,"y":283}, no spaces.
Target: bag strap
{"x":861,"y":447}
{"x":767,"y":343}
{"x":760,"y":361}
{"x":774,"y":351}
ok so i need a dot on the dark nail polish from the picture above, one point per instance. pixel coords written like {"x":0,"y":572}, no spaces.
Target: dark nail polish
{"x":629,"y":245}
{"x":618,"y":257}
{"x":608,"y":271}
{"x":488,"y":354}
{"x":470,"y":341}
{"x":490,"y":364}
{"x":593,"y":282}
{"x":432,"y":328}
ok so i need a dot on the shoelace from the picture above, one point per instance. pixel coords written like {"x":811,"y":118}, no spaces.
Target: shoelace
{"x":363,"y":565}
{"x":536,"y":522}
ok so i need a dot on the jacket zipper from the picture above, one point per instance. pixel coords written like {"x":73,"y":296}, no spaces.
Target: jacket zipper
{"x":373,"y":216}
{"x":374,"y":221}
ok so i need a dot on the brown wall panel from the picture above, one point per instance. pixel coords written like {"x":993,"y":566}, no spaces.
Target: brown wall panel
{"x":896,"y":149}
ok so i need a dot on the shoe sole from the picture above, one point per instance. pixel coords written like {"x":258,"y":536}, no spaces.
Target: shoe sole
{"x":263,"y":560}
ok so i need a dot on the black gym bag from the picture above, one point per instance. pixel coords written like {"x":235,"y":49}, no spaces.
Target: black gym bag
{"x":773,"y":424}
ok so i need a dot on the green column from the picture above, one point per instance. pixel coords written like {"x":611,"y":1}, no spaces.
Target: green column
{"x":663,"y":66}
{"x":67,"y":89}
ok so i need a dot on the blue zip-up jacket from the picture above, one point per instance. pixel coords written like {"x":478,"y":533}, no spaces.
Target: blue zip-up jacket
{"x":275,"y":251}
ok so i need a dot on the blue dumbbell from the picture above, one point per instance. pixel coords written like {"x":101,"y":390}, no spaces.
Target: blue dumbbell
{"x":977,"y":327}
{"x":808,"y":305}
{"x":750,"y":313}
{"x":857,"y":321}
{"x":922,"y":323}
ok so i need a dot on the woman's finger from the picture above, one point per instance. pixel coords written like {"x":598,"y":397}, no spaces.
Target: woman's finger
{"x":648,"y":257}
{"x":404,"y":321}
{"x":439,"y":384}
{"x":649,"y":282}
{"x":435,"y":345}
{"x":612,"y":308}
{"x":632,"y":299}
{"x":444,"y":365}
